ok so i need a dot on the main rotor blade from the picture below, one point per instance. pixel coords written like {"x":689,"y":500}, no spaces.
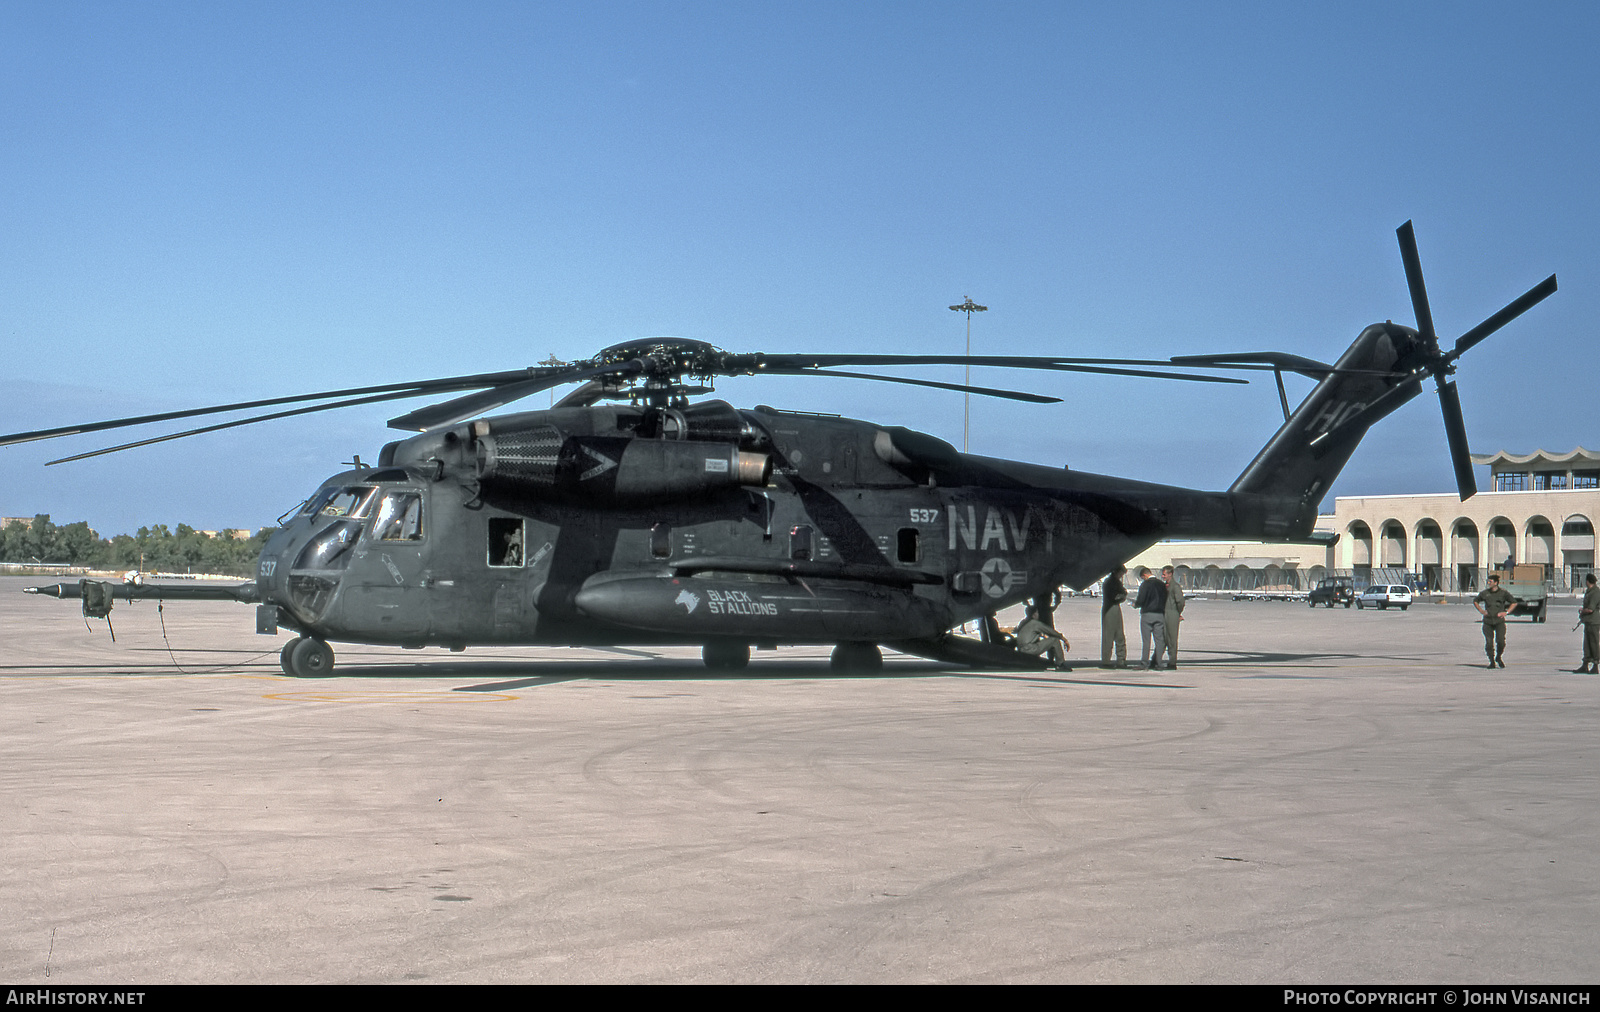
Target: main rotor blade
{"x":416,"y":388}
{"x":793,"y":361}
{"x":795,"y":365}
{"x":1455,"y":428}
{"x":1188,"y":377}
{"x":1258,"y":360}
{"x":1014,"y":395}
{"x":234,"y":424}
{"x":474,"y":404}
{"x":1419,"y":292}
{"x":1273,"y":361}
{"x":1532,"y":297}
{"x":771,"y":363}
{"x":1072,"y":365}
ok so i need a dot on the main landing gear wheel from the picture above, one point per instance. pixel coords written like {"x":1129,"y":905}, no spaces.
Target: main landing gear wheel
{"x":857,"y":657}
{"x":726,"y":656}
{"x":308,"y":658}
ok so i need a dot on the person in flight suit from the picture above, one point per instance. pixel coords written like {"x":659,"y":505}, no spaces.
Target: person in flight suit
{"x":1151,"y":601}
{"x":1173,"y":614}
{"x":1112,"y":594}
{"x":1494,"y":603}
{"x":1034,"y":636}
{"x":1589,"y":615}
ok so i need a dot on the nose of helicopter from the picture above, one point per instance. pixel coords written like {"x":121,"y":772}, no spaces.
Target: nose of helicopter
{"x":272,"y":570}
{"x":301,"y":566}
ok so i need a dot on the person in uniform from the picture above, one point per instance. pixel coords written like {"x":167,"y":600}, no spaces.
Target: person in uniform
{"x":1151,"y":602}
{"x":1034,"y":636}
{"x":1112,"y":594}
{"x":1494,"y":603}
{"x":1173,"y":614}
{"x":1589,"y":616}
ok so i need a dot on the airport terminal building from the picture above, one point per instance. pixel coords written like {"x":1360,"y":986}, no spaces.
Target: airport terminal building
{"x":1540,"y":508}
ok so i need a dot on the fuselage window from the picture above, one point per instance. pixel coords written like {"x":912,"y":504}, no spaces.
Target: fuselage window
{"x":800,"y":542}
{"x":505,"y":541}
{"x":399,"y":517}
{"x":343,"y":502}
{"x":908,"y":544}
{"x":661,"y":541}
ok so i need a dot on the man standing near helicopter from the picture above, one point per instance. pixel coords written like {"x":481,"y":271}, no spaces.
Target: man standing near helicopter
{"x":1494,"y":603}
{"x":1151,"y":601}
{"x":1173,"y":613}
{"x":1112,"y":594}
{"x":1589,"y":618}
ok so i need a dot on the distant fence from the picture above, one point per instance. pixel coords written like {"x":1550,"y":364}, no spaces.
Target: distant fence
{"x":40,"y":569}
{"x":1467,"y":580}
{"x":63,"y":569}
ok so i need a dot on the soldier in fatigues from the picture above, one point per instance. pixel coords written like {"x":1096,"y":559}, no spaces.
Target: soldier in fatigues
{"x":1112,"y":594}
{"x":1494,"y":604}
{"x":1589,"y":615}
{"x":1174,"y":614}
{"x":1034,"y":637}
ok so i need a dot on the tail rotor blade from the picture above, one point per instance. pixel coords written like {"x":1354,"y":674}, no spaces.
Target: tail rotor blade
{"x":1419,"y":292}
{"x":1455,"y":429}
{"x":1532,"y":297}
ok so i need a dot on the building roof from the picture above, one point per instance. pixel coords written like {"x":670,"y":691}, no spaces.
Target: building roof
{"x":1538,"y":458}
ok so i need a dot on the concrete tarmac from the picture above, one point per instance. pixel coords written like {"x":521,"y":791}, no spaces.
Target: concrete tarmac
{"x":1312,"y":797}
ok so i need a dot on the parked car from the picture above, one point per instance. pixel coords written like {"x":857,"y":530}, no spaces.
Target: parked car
{"x":1334,"y":590}
{"x":1382,"y":595}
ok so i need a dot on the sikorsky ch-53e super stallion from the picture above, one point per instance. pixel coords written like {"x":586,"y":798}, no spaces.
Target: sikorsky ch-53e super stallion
{"x":630,"y":514}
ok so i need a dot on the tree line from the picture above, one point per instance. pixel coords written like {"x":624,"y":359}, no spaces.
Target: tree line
{"x":152,"y":549}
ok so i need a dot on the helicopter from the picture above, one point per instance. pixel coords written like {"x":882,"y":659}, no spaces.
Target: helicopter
{"x":630,"y":512}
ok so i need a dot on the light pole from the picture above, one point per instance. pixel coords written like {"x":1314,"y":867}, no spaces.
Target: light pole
{"x":552,"y":361}
{"x":969,"y":307}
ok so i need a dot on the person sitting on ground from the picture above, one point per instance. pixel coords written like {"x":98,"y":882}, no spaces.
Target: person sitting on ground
{"x":1034,"y":637}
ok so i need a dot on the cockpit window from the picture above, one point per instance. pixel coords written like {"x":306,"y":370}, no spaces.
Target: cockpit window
{"x":398,"y":517}
{"x":351,"y":501}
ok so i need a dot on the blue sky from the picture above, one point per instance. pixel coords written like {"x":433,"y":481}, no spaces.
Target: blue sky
{"x":212,"y":202}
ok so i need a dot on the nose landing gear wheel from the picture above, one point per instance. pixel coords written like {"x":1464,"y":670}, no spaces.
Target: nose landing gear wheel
{"x":309,"y":658}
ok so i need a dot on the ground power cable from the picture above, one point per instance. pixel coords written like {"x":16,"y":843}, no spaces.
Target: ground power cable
{"x":160,"y":613}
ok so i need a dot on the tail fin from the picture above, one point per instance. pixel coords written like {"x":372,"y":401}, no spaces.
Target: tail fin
{"x":1382,"y":370}
{"x":1277,"y":496}
{"x":1374,"y":377}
